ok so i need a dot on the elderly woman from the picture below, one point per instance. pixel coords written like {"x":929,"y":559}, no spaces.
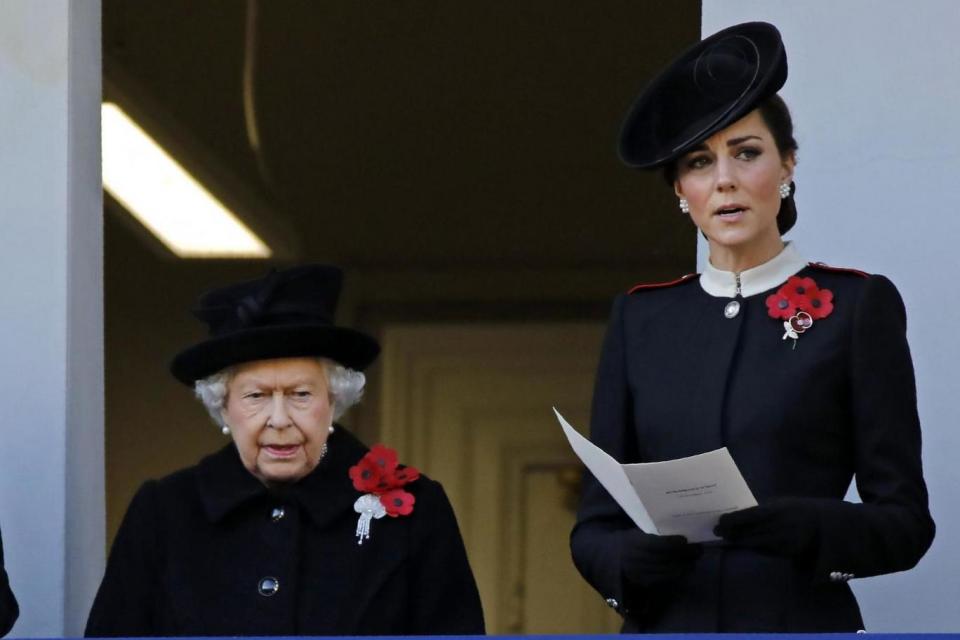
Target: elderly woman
{"x":9,"y":611}
{"x":801,"y":370}
{"x":295,"y":528}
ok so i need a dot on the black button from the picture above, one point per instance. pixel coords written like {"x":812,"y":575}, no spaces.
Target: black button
{"x":268,"y":586}
{"x":277,"y":514}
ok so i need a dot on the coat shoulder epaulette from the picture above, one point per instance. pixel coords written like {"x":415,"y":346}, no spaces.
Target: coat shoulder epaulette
{"x":826,"y":267}
{"x":662,"y":285}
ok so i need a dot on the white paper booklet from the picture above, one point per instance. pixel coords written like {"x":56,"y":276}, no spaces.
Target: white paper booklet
{"x":676,"y":497}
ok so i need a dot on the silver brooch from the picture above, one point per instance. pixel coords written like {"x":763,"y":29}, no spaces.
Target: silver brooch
{"x":369,"y":507}
{"x":796,"y":325}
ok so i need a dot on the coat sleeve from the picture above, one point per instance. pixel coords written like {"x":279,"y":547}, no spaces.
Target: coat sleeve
{"x":443,"y":593}
{"x":9,"y":610}
{"x":892,"y":529}
{"x":125,"y":604}
{"x":596,"y":539}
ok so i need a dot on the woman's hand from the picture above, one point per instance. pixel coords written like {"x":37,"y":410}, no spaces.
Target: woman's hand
{"x":784,"y":526}
{"x":650,"y":560}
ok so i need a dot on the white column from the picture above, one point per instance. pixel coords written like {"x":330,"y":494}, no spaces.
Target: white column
{"x":51,"y":319}
{"x":873,"y":87}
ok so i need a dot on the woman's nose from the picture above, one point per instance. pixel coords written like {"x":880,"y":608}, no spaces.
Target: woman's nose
{"x":726,"y":180}
{"x":279,"y":417}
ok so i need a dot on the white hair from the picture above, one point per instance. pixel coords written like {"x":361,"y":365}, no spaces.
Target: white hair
{"x":344,"y":385}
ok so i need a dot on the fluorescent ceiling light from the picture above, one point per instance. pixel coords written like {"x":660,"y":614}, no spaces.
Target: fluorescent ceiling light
{"x":166,"y":199}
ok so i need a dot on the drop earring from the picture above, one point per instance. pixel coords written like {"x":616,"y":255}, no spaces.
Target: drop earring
{"x":784,"y":190}
{"x":684,"y":205}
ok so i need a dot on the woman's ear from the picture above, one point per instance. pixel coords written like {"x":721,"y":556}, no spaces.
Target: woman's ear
{"x":676,"y":188}
{"x":789,"y":164}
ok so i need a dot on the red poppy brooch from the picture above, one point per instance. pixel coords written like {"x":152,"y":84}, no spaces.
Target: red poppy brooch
{"x":798,"y":303}
{"x":380,"y":479}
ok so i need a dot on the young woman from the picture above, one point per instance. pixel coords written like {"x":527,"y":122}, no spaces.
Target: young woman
{"x":801,"y":370}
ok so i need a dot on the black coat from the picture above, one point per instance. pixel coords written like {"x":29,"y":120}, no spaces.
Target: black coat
{"x":9,"y":610}
{"x":677,"y":378}
{"x":194,"y":546}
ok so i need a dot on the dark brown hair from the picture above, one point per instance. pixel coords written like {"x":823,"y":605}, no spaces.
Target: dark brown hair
{"x":776,"y":115}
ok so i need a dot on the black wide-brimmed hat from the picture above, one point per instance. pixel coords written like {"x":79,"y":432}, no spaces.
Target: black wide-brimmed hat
{"x":286,"y":314}
{"x":710,"y":86}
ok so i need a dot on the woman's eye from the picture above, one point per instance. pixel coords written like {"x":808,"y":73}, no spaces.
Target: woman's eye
{"x":748,"y":153}
{"x":253,"y":395}
{"x":698,"y":162}
{"x":301,"y":394}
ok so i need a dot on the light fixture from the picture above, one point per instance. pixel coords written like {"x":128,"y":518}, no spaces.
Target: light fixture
{"x":166,"y":199}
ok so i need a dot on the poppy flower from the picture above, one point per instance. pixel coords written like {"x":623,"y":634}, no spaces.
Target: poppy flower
{"x":384,"y":457}
{"x":820,"y":303}
{"x":779,"y":305}
{"x":797,"y":288}
{"x":799,"y":302}
{"x":398,"y":502}
{"x":801,"y":322}
{"x":800,"y":294}
{"x":366,"y":475}
{"x":403,"y":475}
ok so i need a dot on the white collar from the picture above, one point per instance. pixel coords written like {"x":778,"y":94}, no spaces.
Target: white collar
{"x":723,"y":284}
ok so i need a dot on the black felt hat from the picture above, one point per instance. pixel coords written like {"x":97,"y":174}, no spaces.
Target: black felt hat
{"x":710,"y":86}
{"x":286,"y":314}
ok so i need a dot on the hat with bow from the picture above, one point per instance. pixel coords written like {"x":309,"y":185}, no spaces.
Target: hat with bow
{"x":286,"y":314}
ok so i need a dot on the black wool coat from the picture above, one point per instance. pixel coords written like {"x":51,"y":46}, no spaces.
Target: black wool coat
{"x":195,"y":547}
{"x":678,"y":378}
{"x":9,"y":610}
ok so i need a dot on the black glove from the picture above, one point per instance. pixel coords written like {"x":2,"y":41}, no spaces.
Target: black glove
{"x":783,"y":527}
{"x":649,"y":560}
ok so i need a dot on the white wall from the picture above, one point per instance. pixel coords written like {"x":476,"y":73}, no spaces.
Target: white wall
{"x":51,"y":371}
{"x":874,"y":87}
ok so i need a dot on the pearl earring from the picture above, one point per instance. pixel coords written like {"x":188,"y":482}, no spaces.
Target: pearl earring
{"x":330,"y":429}
{"x":784,"y":190}
{"x":684,"y":205}
{"x":225,"y":430}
